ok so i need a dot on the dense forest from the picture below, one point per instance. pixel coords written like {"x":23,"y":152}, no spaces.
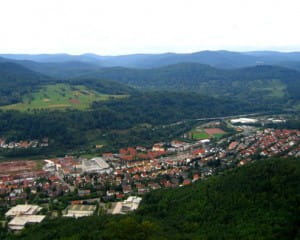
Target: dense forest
{"x":16,"y":81}
{"x":191,"y":91}
{"x":257,"y":83}
{"x":269,"y":83}
{"x":257,"y":201}
{"x":118,"y":123}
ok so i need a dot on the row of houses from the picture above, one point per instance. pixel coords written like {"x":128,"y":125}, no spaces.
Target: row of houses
{"x":23,"y":144}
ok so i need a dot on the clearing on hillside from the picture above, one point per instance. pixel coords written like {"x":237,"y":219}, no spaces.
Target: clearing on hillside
{"x":61,"y":96}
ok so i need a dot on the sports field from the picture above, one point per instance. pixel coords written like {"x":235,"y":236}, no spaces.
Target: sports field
{"x":199,"y":135}
{"x":205,"y":133}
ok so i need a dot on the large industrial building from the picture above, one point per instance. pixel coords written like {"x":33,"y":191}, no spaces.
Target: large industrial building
{"x":19,"y":222}
{"x":77,"y":211}
{"x":23,"y":214}
{"x":130,"y":204}
{"x":23,"y":209}
{"x":95,"y":165}
{"x":244,"y":120}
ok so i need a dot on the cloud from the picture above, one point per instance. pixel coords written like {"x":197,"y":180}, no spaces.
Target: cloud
{"x":121,"y":27}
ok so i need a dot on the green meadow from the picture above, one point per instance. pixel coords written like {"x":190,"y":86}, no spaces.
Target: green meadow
{"x":61,"y":96}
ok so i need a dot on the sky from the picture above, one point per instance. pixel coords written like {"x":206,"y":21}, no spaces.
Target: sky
{"x":115,"y":27}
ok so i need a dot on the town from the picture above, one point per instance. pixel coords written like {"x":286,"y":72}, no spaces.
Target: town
{"x":115,"y":183}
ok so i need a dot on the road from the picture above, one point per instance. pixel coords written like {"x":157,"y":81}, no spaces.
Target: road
{"x":211,"y":119}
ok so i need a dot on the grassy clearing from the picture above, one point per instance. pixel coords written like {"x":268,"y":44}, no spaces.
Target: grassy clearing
{"x":274,"y":87}
{"x":61,"y":96}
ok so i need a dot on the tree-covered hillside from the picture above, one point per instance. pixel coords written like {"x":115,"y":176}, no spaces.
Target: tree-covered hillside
{"x":16,"y":80}
{"x":252,"y":84}
{"x":256,"y":201}
{"x":107,"y":120}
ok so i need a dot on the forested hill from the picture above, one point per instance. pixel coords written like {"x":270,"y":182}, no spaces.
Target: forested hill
{"x":253,"y":84}
{"x":256,"y":201}
{"x":267,"y":82}
{"x":108,"y":120}
{"x":16,"y":80}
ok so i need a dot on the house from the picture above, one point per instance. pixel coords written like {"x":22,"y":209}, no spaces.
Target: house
{"x":141,"y":188}
{"x":158,"y":147}
{"x":196,"y":177}
{"x":84,"y":192}
{"x":186,"y":182}
{"x":154,"y":186}
{"x":127,"y":189}
{"x":232,"y":145}
{"x":120,"y":195}
{"x":199,"y":152}
{"x":110,"y":193}
{"x":141,"y":149}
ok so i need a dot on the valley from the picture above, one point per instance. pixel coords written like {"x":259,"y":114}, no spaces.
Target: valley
{"x":251,"y":157}
{"x":118,"y":145}
{"x":149,"y":120}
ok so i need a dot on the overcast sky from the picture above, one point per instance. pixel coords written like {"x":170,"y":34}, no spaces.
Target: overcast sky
{"x":112,"y":27}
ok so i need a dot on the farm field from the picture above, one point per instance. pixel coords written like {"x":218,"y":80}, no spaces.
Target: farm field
{"x":273,"y":88}
{"x":61,"y":96}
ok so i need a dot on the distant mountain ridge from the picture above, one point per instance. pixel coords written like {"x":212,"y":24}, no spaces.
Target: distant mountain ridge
{"x":219,"y":59}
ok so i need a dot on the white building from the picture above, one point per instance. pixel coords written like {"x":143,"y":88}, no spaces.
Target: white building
{"x":95,"y":165}
{"x":23,"y":214}
{"x":77,"y":211}
{"x":19,"y":222}
{"x":23,"y":209}
{"x":130,"y":204}
{"x":204,"y":141}
{"x":243,"y":120}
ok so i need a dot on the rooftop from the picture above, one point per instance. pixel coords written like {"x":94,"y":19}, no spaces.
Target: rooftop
{"x":80,"y":210}
{"x":82,"y":207}
{"x":95,"y":164}
{"x":24,"y":209}
{"x":19,"y":222}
